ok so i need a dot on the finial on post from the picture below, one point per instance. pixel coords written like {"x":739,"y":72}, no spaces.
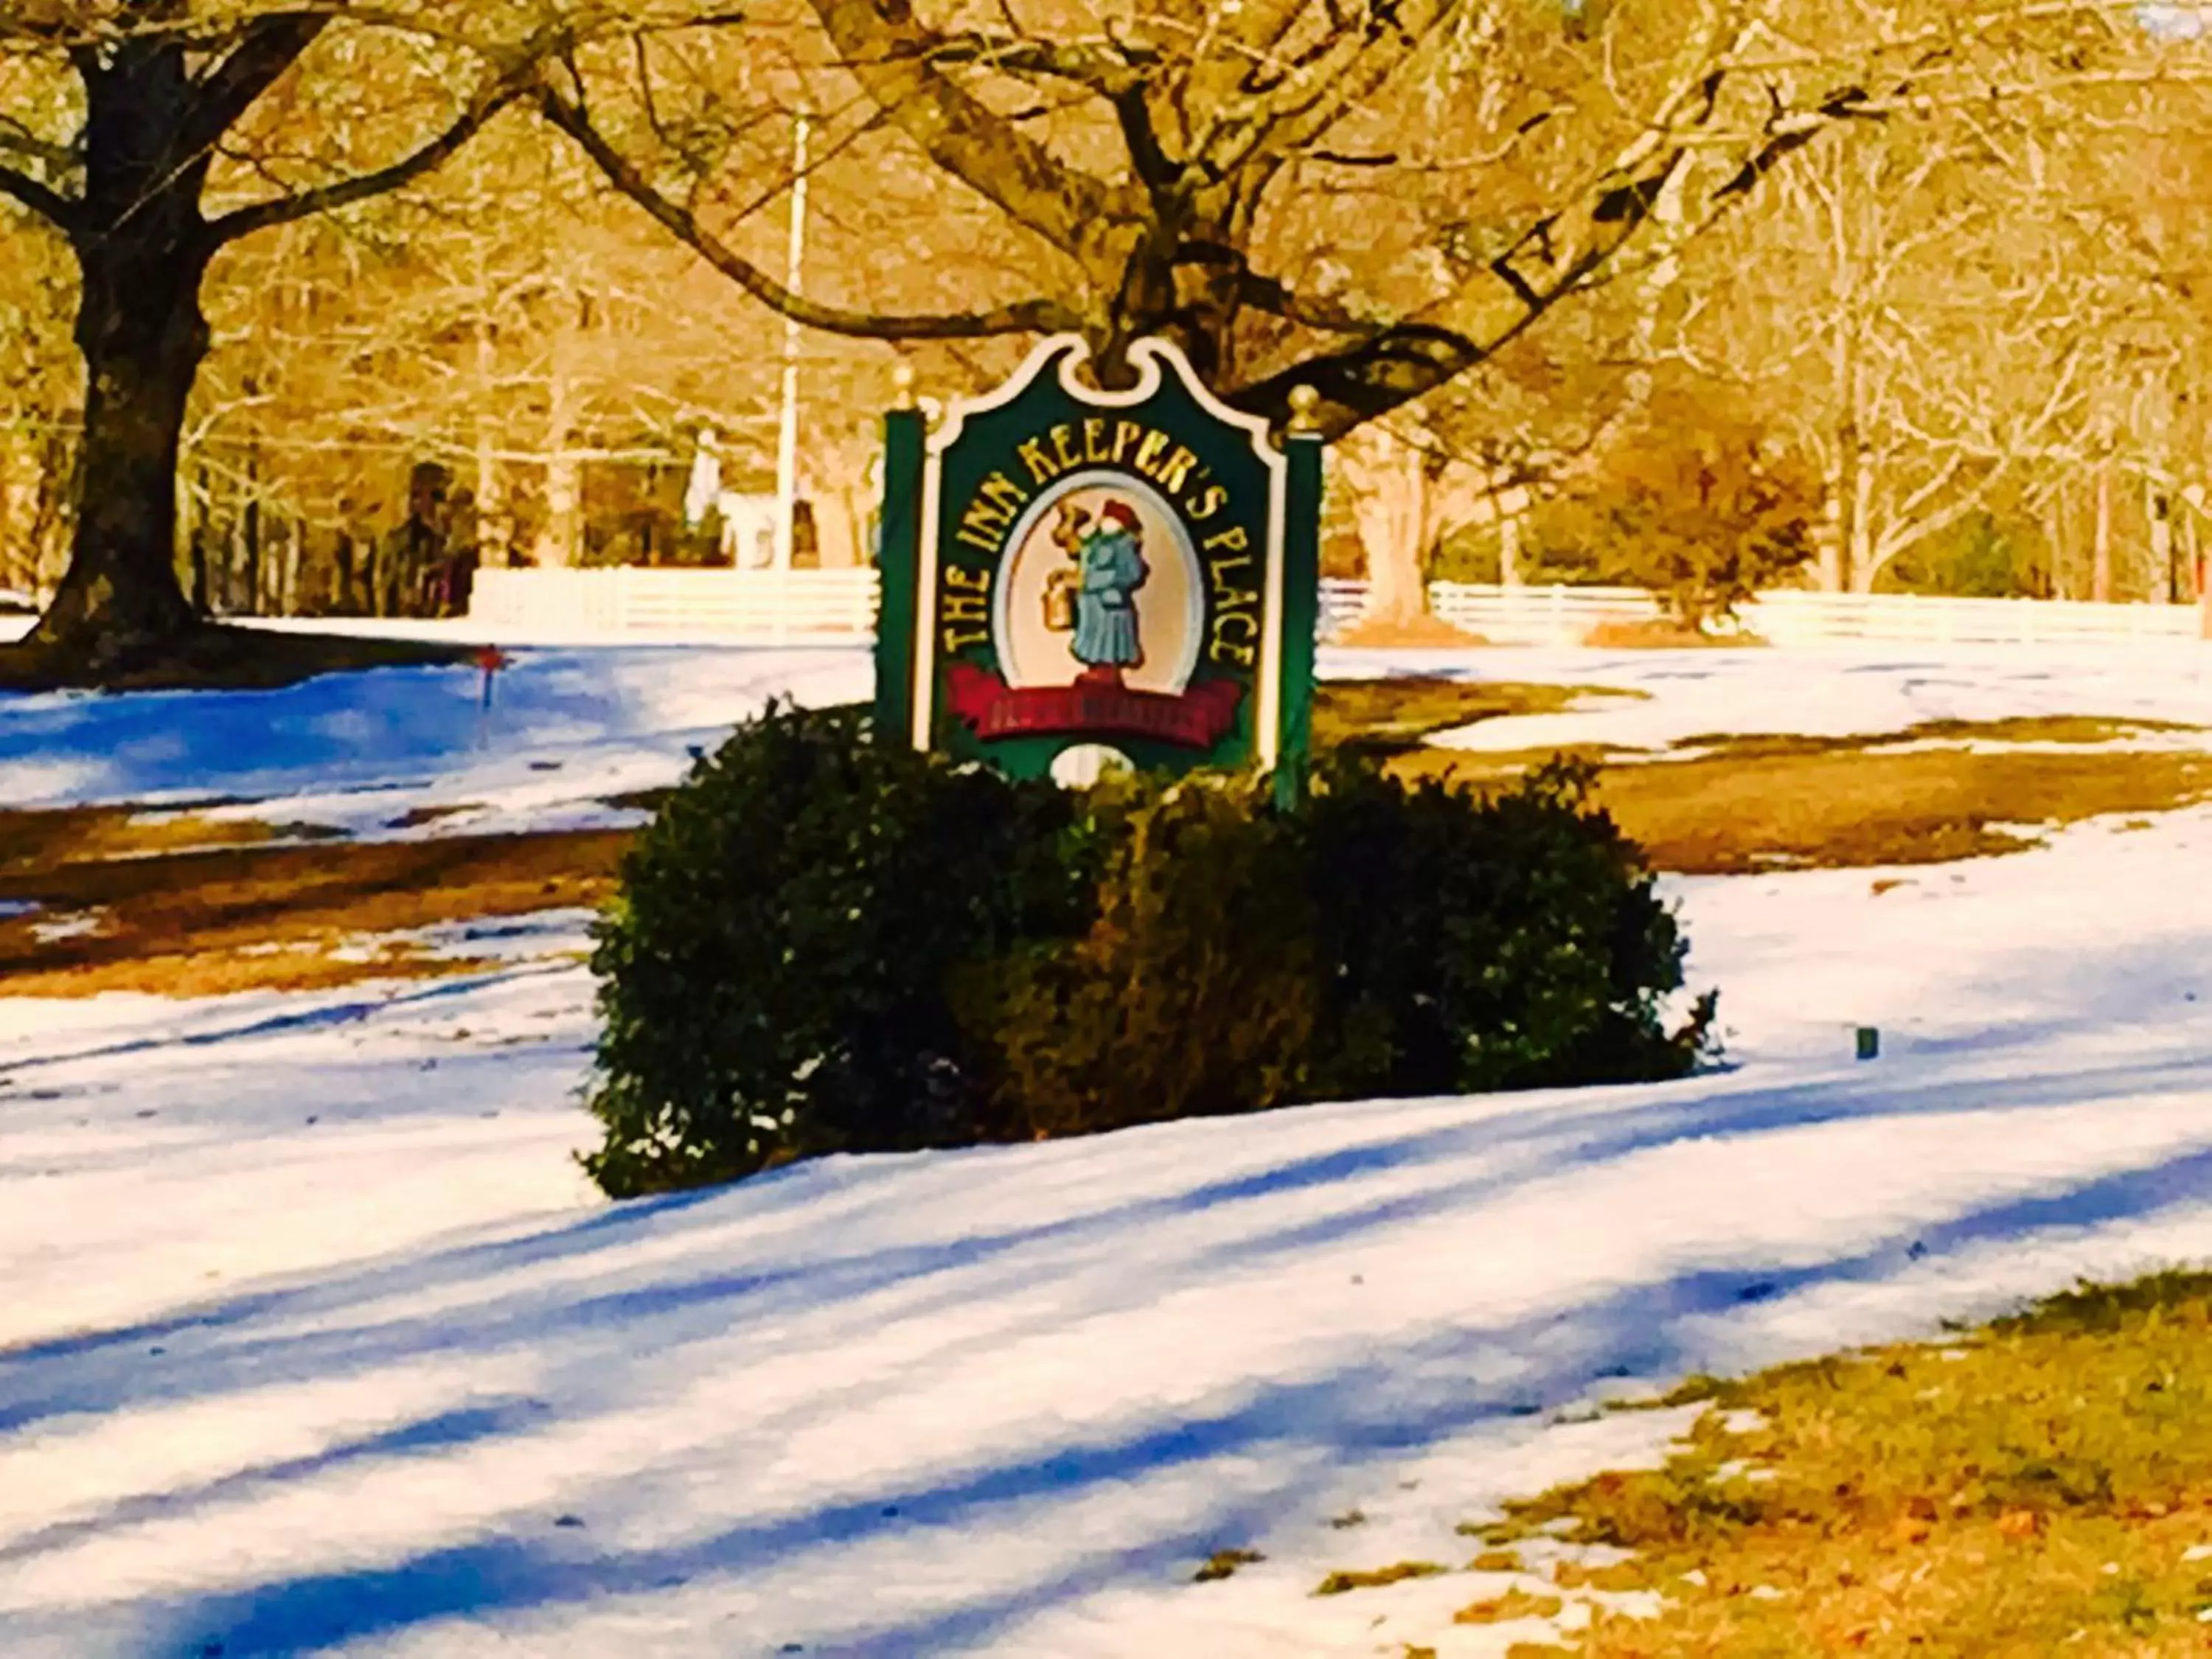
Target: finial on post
{"x":1304,"y":400}
{"x":902,"y":385}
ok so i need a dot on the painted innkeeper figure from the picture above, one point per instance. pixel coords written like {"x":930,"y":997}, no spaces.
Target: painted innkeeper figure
{"x":1113,"y":569}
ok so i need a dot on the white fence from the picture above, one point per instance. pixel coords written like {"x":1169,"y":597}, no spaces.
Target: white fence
{"x":555,"y":607}
{"x":1565,"y":616}
{"x":634,"y":602}
{"x":1792,"y":618}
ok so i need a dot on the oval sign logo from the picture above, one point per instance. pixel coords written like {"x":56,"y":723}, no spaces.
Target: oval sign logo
{"x":1100,"y":585}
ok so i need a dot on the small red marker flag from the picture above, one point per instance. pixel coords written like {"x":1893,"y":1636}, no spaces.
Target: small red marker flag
{"x":491,"y":659}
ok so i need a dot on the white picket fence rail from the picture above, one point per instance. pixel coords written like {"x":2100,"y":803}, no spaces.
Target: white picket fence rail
{"x":1566,"y":615}
{"x":1796,"y":618}
{"x":643,"y":606}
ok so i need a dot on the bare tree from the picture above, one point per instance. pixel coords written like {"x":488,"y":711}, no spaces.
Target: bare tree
{"x":1171,"y":160}
{"x":150,"y":174}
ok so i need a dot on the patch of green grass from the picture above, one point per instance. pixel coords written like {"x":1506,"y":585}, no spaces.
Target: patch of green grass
{"x":2033,"y":1487}
{"x":1337,"y":1583}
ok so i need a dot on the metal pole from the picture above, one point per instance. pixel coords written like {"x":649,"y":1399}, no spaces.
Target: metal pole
{"x":787,"y":443}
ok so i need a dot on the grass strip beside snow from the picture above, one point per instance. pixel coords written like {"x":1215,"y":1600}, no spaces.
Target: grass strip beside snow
{"x":2041,"y":1485}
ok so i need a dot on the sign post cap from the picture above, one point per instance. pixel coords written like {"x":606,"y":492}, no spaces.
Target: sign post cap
{"x":1304,"y":400}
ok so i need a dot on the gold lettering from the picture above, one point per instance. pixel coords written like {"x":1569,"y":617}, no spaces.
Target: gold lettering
{"x":1231,"y":540}
{"x":1094,"y":442}
{"x":1221,"y":647}
{"x":956,"y":641}
{"x":1126,"y":433}
{"x":1221,"y":568}
{"x":985,"y":519}
{"x":1042,"y":469}
{"x":1149,"y":452}
{"x":990,"y":511}
{"x":1063,"y":444}
{"x":966,"y":608}
{"x":1175,"y":472}
{"x":978,"y":581}
{"x":1003,"y":493}
{"x":1210,"y":503}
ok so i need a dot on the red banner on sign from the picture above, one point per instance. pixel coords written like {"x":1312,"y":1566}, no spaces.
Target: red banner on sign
{"x":989,"y":707}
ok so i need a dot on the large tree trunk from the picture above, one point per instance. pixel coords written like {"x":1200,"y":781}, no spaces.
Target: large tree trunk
{"x":1388,"y":481}
{"x":1860,"y":568}
{"x":560,"y":537}
{"x":837,"y":511}
{"x":142,"y":338}
{"x":1829,"y":542}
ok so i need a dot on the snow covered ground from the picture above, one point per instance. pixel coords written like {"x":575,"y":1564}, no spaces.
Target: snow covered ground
{"x":316,"y":1341}
{"x":569,"y":728}
{"x":565,"y":730}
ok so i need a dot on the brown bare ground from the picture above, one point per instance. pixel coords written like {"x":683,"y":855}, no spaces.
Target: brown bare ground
{"x":1397,"y":713}
{"x":1731,"y":802}
{"x":1426,"y":632}
{"x":1660,"y":633}
{"x":1802,"y":805}
{"x":44,"y":839}
{"x":246,"y":917}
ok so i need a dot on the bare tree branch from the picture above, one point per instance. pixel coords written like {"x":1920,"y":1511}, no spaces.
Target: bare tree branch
{"x":48,"y":203}
{"x":893,"y":56}
{"x":18,"y":140}
{"x":1101,"y":66}
{"x":1028,"y":317}
{"x":489,"y":101}
{"x":267,"y":46}
{"x":1271,"y":295}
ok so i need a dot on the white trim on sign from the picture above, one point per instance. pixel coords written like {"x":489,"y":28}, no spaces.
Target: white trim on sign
{"x":925,"y":605}
{"x":1270,"y":714}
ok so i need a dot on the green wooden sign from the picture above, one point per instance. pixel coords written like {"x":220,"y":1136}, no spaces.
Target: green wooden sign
{"x":1070,"y":573}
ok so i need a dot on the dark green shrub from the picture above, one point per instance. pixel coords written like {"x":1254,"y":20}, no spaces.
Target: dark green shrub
{"x":822,"y":944}
{"x":772,"y":975}
{"x":1468,"y":943}
{"x":1193,"y":992}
